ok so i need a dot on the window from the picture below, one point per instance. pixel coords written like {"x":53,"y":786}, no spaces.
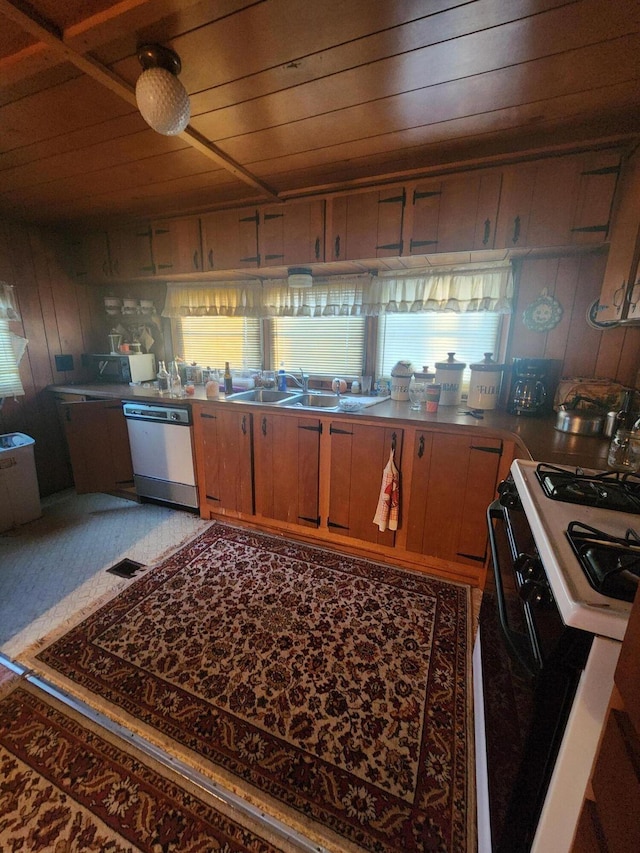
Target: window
{"x":212,"y":341}
{"x":425,"y":338}
{"x":321,"y":347}
{"x":10,"y":383}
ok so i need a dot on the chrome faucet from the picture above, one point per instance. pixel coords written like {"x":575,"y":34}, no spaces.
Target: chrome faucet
{"x":303,"y":382}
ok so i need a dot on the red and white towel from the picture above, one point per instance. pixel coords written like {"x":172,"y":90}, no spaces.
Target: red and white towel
{"x":388,"y":509}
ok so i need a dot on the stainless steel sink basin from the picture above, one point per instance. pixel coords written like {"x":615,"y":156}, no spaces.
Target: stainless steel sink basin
{"x":263,"y":395}
{"x":314,"y":400}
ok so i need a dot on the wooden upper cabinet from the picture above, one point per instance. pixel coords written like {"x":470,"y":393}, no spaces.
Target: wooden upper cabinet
{"x":88,"y":257}
{"x":454,"y":214}
{"x":230,"y":239}
{"x":620,"y":294}
{"x":560,"y":201}
{"x":290,"y":234}
{"x":130,"y":252}
{"x":367,"y":225}
{"x":176,"y":246}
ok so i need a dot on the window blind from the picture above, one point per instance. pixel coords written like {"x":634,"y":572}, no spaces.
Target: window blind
{"x":321,"y":347}
{"x":210,"y":341}
{"x":428,"y":337}
{"x":10,"y":384}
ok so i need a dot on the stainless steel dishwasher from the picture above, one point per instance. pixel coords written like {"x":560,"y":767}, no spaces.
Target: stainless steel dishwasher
{"x":162,"y":452}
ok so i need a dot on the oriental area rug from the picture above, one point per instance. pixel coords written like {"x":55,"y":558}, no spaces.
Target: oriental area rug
{"x":66,"y":785}
{"x":331,"y":692}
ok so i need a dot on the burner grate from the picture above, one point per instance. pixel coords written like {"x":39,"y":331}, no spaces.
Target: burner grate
{"x":611,"y":564}
{"x":608,"y":490}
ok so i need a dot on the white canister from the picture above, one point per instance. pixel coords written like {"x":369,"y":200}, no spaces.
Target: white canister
{"x":400,"y":378}
{"x":449,"y":377}
{"x":484,"y":388}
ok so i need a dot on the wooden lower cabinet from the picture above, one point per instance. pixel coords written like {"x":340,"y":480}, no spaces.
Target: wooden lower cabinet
{"x":223,"y":437}
{"x":359,"y":454}
{"x":98,"y":442}
{"x":453,"y":482}
{"x":287,"y":468}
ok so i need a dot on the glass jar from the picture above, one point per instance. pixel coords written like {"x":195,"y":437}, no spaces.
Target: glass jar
{"x":624,"y":451}
{"x":417,"y":393}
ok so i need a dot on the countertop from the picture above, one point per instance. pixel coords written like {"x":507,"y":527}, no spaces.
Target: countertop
{"x":536,"y":437}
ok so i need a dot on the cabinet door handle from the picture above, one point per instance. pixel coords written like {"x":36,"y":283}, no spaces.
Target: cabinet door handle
{"x":336,"y":250}
{"x":210,"y":256}
{"x":264,"y":426}
{"x":487,"y":232}
{"x":317,"y":249}
{"x":244,"y":425}
{"x":620,"y":290}
{"x":632,"y":302}
{"x":516,"y":230}
{"x":421,"y":447}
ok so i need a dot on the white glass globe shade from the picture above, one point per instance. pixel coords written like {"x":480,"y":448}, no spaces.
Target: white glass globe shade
{"x":163,"y":101}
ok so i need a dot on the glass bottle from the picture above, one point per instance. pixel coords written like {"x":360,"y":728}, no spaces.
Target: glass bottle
{"x":163,"y":379}
{"x":175,"y":382}
{"x":228,"y":379}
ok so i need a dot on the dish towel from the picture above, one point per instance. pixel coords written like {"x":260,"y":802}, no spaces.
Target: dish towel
{"x":389,"y":501}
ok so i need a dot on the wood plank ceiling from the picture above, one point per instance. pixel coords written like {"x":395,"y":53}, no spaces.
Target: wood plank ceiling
{"x":293,"y":97}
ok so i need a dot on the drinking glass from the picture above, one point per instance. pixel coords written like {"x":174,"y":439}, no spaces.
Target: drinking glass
{"x":417,"y":394}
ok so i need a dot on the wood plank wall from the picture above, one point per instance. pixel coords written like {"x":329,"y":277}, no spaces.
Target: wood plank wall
{"x":57,"y":316}
{"x":584,"y":352}
{"x":62,"y":316}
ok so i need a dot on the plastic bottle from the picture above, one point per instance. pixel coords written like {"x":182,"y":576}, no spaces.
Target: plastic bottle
{"x":282,"y":379}
{"x":163,"y":379}
{"x":228,"y":379}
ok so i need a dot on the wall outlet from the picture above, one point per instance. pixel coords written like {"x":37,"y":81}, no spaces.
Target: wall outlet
{"x":64,"y":362}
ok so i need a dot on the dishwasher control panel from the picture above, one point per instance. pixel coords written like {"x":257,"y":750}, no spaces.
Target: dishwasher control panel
{"x":171,"y":414}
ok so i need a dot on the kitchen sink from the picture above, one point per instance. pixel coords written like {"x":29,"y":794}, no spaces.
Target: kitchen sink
{"x":314,"y":400}
{"x":264,"y":395}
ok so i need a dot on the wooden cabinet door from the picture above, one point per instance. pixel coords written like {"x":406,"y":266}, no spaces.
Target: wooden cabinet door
{"x":230,"y":239}
{"x":455,"y":214}
{"x":453,"y":483}
{"x":291,"y":234}
{"x":130,"y":252}
{"x":287,"y":468}
{"x":89,"y":257}
{"x":98,"y":443}
{"x":359,"y":454}
{"x":367,"y":225}
{"x":620,"y":293}
{"x":560,"y":201}
{"x":223,"y":441}
{"x":176,"y":246}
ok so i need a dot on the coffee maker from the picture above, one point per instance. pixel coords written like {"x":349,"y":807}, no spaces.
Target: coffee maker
{"x":533,"y":384}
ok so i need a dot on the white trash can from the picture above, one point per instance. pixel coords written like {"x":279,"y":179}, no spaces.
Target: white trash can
{"x":19,"y":493}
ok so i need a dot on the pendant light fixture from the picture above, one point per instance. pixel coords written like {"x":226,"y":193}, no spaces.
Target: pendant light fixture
{"x":162,"y":99}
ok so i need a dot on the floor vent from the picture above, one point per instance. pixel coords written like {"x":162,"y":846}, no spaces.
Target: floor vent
{"x":125,"y":568}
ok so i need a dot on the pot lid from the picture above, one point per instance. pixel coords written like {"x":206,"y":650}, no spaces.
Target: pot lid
{"x":450,"y":363}
{"x":487,"y":364}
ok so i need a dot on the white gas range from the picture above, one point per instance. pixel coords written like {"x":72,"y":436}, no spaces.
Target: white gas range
{"x":579,"y":604}
{"x":584,"y":608}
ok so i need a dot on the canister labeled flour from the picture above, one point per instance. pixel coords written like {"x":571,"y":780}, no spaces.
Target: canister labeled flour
{"x":484,"y":388}
{"x":449,"y":377}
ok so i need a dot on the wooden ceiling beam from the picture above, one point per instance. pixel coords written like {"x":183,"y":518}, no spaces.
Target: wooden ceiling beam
{"x":50,"y":36}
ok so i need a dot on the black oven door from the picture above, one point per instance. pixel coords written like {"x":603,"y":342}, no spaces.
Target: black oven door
{"x":531,"y":666}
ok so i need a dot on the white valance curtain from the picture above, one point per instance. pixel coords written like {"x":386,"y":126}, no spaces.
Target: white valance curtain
{"x":472,"y":287}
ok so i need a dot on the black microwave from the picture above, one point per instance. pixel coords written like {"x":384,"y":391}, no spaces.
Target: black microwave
{"x":122,"y":369}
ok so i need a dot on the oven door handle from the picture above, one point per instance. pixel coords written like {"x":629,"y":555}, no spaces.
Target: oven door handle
{"x":517,"y":645}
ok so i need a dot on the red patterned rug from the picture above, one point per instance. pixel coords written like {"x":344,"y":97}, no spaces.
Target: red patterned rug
{"x":66,"y":786}
{"x":331,"y":690}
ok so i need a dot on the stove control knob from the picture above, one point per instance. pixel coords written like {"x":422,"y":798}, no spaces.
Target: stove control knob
{"x":174,"y":416}
{"x":528,"y":566}
{"x":508,"y":494}
{"x":536,"y":593}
